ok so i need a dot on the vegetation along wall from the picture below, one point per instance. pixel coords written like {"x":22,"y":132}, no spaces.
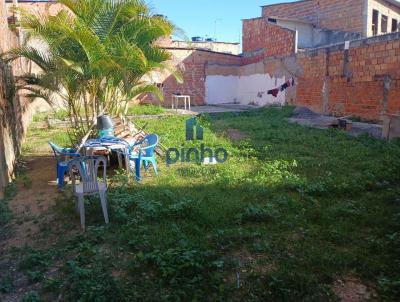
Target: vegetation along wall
{"x":13,"y":110}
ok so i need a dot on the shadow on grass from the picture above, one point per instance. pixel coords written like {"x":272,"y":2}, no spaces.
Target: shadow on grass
{"x":236,"y":242}
{"x":290,"y":213}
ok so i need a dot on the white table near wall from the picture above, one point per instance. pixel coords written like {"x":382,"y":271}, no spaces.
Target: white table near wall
{"x":176,"y":98}
{"x":91,"y":146}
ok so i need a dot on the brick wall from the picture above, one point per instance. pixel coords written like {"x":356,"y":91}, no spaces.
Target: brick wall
{"x":13,"y":110}
{"x":343,"y":15}
{"x":325,"y":87}
{"x":262,"y":39}
{"x":192,"y":64}
{"x":310,"y":83}
{"x":302,"y":10}
{"x":324,"y":82}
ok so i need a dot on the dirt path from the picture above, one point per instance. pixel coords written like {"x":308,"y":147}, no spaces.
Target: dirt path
{"x":36,"y":194}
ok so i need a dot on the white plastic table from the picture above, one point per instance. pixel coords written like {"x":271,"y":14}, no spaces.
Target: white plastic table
{"x":91,"y":146}
{"x":176,"y":98}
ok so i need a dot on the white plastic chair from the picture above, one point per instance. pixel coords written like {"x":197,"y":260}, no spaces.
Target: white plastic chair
{"x":89,"y":184}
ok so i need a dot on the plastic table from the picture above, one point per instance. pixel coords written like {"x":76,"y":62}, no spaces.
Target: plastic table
{"x":176,"y":98}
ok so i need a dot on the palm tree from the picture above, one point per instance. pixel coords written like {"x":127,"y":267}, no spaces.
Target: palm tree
{"x":94,"y":55}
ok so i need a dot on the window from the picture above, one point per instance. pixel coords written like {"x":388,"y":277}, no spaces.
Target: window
{"x":395,"y":25}
{"x":271,"y":20}
{"x":375,"y":18}
{"x":384,"y":24}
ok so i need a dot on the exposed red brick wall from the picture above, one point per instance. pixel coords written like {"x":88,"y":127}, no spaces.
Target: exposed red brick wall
{"x":310,"y":84}
{"x":302,"y":10}
{"x":192,"y":64}
{"x":343,"y":15}
{"x":321,"y":84}
{"x":262,"y":39}
{"x":362,"y":93}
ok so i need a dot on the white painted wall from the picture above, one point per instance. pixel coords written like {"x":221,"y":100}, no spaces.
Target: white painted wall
{"x":221,"y":89}
{"x":224,"y":47}
{"x":245,"y":89}
{"x":305,"y":32}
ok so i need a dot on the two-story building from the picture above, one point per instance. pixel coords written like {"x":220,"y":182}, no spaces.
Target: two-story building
{"x":318,"y":23}
{"x":366,"y":17}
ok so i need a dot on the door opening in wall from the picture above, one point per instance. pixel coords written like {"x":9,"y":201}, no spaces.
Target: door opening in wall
{"x":395,"y":25}
{"x":384,"y":24}
{"x":375,"y":18}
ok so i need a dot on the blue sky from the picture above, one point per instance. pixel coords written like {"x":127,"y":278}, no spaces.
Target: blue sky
{"x":198,"y":17}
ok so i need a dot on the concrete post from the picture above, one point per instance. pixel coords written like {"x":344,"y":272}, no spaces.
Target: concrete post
{"x":296,"y":41}
{"x":379,"y":23}
{"x":366,"y":24}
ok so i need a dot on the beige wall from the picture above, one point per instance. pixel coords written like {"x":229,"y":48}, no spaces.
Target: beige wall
{"x":39,"y":105}
{"x":39,"y":7}
{"x":231,"y":48}
{"x":14,"y":111}
{"x":384,"y":8}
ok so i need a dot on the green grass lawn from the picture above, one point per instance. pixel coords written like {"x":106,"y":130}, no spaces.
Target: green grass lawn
{"x":145,"y":110}
{"x":291,"y":211}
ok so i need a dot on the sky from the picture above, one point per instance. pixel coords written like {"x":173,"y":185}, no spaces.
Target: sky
{"x":210,"y":18}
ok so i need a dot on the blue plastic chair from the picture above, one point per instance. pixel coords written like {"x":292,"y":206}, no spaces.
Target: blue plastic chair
{"x":63,"y":157}
{"x":145,"y":154}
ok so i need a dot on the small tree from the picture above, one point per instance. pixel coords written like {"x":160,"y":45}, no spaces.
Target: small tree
{"x":94,"y":55}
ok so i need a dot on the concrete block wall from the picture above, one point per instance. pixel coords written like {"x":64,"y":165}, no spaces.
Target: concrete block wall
{"x":262,"y":39}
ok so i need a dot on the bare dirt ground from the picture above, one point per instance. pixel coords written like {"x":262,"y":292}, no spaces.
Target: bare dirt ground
{"x":306,"y":117}
{"x":36,"y":194}
{"x":236,"y":134}
{"x":34,"y":197}
{"x":352,"y":290}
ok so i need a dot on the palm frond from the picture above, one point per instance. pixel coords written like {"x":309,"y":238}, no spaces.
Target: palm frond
{"x":94,"y":54}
